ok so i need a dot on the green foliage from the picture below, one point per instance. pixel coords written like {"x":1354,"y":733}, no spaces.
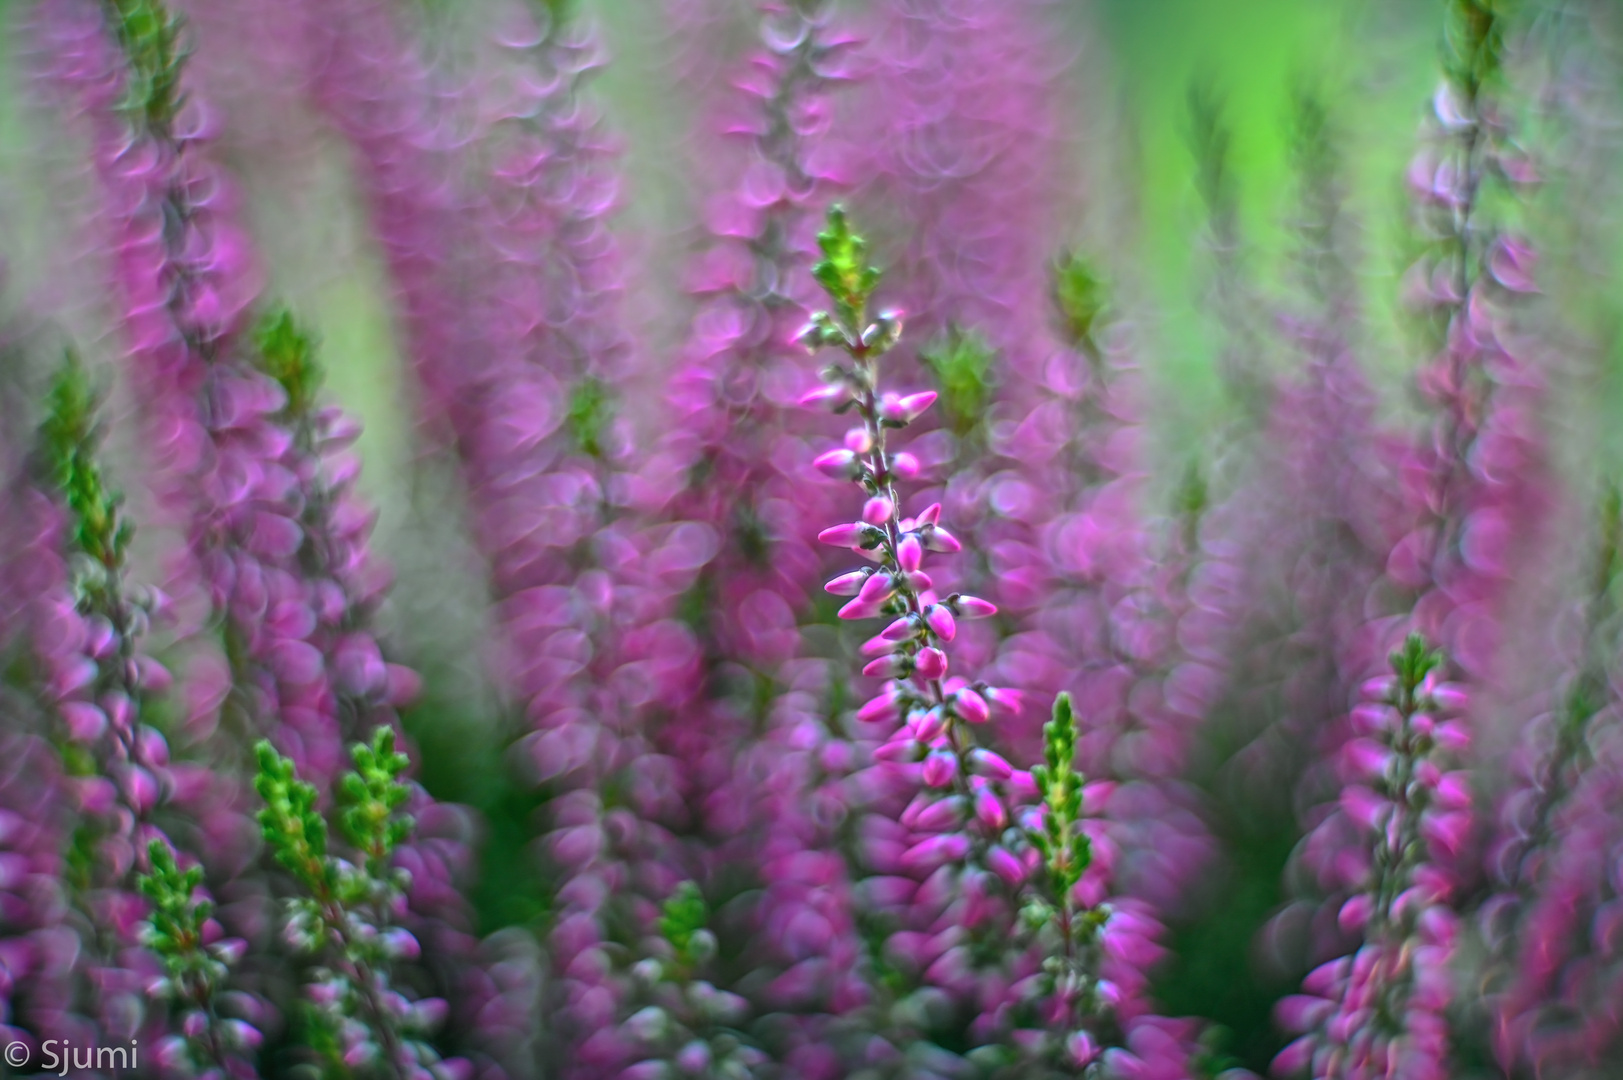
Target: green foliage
{"x":1211,"y":141}
{"x":1189,"y":503}
{"x":962,"y":365}
{"x":844,"y":272}
{"x":293,"y":827}
{"x":287,"y":353}
{"x":682,"y":923}
{"x":591,"y":407}
{"x":69,"y":438}
{"x":1475,"y":42}
{"x":371,"y":795}
{"x":369,"y":798}
{"x":151,"y":37}
{"x":175,"y":926}
{"x":1080,"y":295}
{"x":1412,"y":663}
{"x":1066,"y":851}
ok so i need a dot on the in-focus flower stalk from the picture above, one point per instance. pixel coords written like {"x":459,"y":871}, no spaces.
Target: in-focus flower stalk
{"x":346,"y":915}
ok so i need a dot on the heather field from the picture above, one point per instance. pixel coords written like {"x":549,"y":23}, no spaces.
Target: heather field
{"x":811,"y":539}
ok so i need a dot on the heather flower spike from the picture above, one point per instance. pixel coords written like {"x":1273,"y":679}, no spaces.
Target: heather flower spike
{"x":1081,"y":999}
{"x":119,"y":849}
{"x":1380,"y":1012}
{"x":342,"y":914}
{"x":197,"y":963}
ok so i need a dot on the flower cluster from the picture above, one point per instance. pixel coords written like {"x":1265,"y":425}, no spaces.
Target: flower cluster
{"x":1403,"y":820}
{"x":346,"y":910}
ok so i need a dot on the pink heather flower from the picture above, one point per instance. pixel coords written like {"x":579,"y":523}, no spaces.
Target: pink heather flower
{"x":1457,"y":559}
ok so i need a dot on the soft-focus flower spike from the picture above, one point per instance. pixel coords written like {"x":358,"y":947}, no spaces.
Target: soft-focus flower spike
{"x":1394,"y":1003}
{"x":126,"y":854}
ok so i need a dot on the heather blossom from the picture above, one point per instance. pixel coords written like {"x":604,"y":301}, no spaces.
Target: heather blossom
{"x":101,"y":682}
{"x":1391,"y":851}
{"x":964,"y":831}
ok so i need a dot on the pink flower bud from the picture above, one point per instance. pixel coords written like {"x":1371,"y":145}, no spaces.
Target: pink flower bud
{"x":878,"y":645}
{"x":1002,"y":862}
{"x":900,"y":630}
{"x":852,"y":534}
{"x":1022,"y":785}
{"x":886,"y":667}
{"x":878,"y":510}
{"x":935,"y":852}
{"x":878,"y":588}
{"x":1427,"y":774}
{"x":859,"y":440}
{"x":1379,"y":689}
{"x":940,"y":766}
{"x":1355,"y":913}
{"x":829,"y":395}
{"x":152,"y":675}
{"x":938,"y":814}
{"x":972,"y":607}
{"x":931,"y":663}
{"x":904,"y":410}
{"x":1095,"y":794}
{"x":989,"y":810}
{"x":1446,"y":831}
{"x":938,"y":617}
{"x":85,"y":722}
{"x":882,"y":707}
{"x":991,"y":765}
{"x":861,"y":608}
{"x":929,"y":725}
{"x":1450,"y":697}
{"x":1452,"y":736}
{"x":119,"y":708}
{"x":1365,"y":758}
{"x":918,"y":581}
{"x":898,"y":751}
{"x":1453,"y":791}
{"x":1373,"y":719}
{"x":940,"y":540}
{"x":904,"y":465}
{"x":1302,"y":1012}
{"x":400,"y":944}
{"x":140,"y":789}
{"x":971,"y":706}
{"x":1327,"y":979}
{"x":1295,"y":1058}
{"x":1364,"y":806}
{"x":910,"y":553}
{"x":1005,"y":702}
{"x":848,"y":584}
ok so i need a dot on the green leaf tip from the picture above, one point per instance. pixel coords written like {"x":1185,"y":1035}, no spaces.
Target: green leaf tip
{"x":287,"y":353}
{"x":69,"y":440}
{"x":371,"y":795}
{"x":844,"y":272}
{"x":1080,"y":297}
{"x":591,"y":407}
{"x":962,"y":362}
{"x":151,"y":38}
{"x":1414,"y":660}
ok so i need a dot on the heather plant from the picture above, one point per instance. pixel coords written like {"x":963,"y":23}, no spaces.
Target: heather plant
{"x":1113,"y":746}
{"x":346,"y":909}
